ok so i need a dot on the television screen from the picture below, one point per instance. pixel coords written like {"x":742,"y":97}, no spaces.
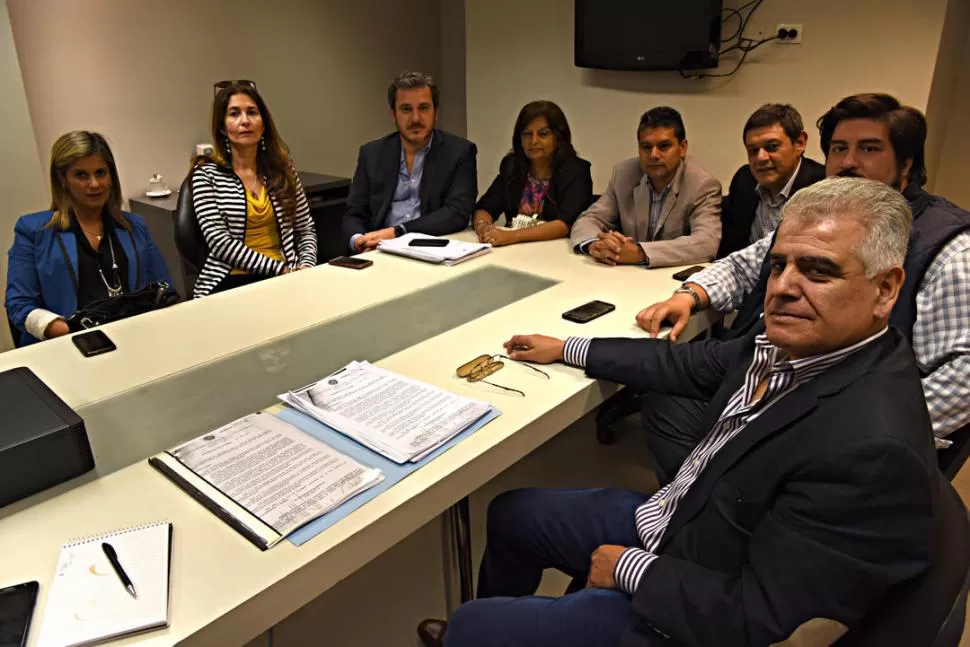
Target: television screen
{"x":648,"y":34}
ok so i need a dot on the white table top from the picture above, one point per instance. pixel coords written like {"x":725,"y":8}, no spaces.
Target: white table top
{"x":224,"y":590}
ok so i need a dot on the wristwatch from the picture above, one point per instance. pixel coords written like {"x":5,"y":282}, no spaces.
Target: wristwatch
{"x":686,"y":289}
{"x":399,"y":230}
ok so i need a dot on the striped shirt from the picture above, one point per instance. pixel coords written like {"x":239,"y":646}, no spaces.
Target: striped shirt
{"x":656,"y":206}
{"x":219,"y":200}
{"x":770,"y":377}
{"x":941,"y":333}
{"x":767,"y":215}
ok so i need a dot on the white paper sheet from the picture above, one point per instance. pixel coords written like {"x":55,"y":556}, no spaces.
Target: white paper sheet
{"x":275,"y":471}
{"x":392,"y":414}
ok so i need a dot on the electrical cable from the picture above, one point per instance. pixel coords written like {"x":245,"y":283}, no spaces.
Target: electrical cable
{"x":745,"y":51}
{"x":734,"y":12}
{"x":744,"y":45}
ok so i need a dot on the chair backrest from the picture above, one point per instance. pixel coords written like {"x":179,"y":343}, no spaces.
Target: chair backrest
{"x":953,"y":457}
{"x":14,"y":333}
{"x":188,"y":235}
{"x":925,"y":610}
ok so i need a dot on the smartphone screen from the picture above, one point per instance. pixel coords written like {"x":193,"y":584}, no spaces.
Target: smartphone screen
{"x":350,"y":261}
{"x":93,"y":343}
{"x":588,"y":311}
{"x":16,"y":608}
{"x":428,"y":242}
{"x":683,"y":275}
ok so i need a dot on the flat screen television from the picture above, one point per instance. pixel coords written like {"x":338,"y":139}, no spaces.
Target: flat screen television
{"x":648,"y":34}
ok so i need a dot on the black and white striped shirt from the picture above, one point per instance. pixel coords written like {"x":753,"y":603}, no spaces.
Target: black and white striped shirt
{"x":219,"y":199}
{"x":771,"y":365}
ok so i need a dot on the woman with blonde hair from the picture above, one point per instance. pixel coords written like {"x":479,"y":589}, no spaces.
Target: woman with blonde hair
{"x":248,"y":198}
{"x":84,"y":248}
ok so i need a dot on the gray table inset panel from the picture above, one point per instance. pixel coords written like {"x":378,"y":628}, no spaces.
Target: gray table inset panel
{"x":143,"y":421}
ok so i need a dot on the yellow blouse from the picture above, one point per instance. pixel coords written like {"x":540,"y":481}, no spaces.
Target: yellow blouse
{"x":262,"y":230}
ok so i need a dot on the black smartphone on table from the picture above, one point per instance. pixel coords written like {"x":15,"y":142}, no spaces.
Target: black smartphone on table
{"x":588,"y":311}
{"x":92,"y":343}
{"x":428,"y":242}
{"x":352,"y":262}
{"x":683,"y":275}
{"x":16,"y":608}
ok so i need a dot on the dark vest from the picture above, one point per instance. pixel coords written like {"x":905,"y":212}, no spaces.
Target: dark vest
{"x":935,"y":223}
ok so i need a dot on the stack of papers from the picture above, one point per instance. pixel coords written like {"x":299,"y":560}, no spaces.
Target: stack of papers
{"x":453,"y":253}
{"x":264,"y":477}
{"x":398,"y":417}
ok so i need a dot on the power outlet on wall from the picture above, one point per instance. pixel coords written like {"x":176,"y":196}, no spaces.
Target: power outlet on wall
{"x":789,"y":33}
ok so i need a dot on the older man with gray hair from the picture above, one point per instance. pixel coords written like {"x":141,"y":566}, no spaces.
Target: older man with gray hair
{"x":418,"y":179}
{"x":809,"y":502}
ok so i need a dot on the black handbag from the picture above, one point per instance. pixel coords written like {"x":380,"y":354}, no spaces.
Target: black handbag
{"x":151,"y":297}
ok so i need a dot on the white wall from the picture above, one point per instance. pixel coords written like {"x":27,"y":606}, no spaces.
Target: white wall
{"x":520,"y":51}
{"x":951,"y":70}
{"x":953,"y":175}
{"x":141,"y":72}
{"x":22,"y":180}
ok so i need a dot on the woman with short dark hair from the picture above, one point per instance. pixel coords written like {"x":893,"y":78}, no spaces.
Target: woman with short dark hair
{"x":247,"y":197}
{"x":84,"y":248}
{"x":542,"y":185}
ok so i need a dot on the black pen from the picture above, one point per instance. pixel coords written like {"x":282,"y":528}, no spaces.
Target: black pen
{"x":115,"y":564}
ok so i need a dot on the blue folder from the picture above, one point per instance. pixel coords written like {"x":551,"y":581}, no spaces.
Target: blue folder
{"x":393,"y":472}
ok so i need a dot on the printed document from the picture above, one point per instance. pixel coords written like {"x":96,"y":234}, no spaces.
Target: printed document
{"x":276,"y":472}
{"x":401,"y":418}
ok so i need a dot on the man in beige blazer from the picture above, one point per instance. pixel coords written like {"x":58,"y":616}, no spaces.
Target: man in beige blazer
{"x":659,"y":209}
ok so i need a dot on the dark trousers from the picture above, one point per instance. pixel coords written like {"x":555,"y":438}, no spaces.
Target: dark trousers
{"x":533,"y":529}
{"x":673,"y":428}
{"x":232,"y":281}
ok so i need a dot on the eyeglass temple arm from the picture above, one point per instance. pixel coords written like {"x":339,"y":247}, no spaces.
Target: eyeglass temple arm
{"x":507,"y":388}
{"x":527,"y":365}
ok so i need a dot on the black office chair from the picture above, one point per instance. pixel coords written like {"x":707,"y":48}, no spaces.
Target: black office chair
{"x":953,"y":457}
{"x":929,"y":610}
{"x":14,"y":333}
{"x":188,"y":235}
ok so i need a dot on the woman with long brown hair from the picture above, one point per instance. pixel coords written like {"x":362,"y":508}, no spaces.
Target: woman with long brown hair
{"x":82,"y":249}
{"x":247,"y":197}
{"x":542,"y":186}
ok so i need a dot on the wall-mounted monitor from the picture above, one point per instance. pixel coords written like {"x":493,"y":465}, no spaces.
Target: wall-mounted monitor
{"x":648,"y":34}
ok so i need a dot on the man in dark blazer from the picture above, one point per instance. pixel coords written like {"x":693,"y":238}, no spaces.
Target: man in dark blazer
{"x":811,"y":500}
{"x":774,"y":139}
{"x":418,"y":179}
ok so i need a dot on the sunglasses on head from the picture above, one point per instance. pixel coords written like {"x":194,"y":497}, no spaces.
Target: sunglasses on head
{"x":222,"y":85}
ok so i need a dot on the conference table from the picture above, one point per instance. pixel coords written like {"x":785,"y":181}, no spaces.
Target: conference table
{"x":185,"y":370}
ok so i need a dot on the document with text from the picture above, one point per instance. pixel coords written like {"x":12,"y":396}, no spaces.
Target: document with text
{"x":401,"y":418}
{"x":265,"y":477}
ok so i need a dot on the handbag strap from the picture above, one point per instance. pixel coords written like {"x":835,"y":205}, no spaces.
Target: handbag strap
{"x":67,"y":260}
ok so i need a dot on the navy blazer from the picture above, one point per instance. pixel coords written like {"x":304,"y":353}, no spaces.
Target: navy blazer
{"x":39,"y":275}
{"x":449,"y":186}
{"x":820,"y":508}
{"x":739,"y":207}
{"x":570,"y":191}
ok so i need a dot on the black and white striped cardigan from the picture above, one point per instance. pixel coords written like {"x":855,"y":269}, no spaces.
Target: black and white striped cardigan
{"x":219,"y":199}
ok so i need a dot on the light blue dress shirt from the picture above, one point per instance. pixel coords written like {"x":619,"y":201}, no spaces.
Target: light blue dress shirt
{"x":406,"y":202}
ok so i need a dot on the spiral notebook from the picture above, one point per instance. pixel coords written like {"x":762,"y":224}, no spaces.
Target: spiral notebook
{"x":88,"y":604}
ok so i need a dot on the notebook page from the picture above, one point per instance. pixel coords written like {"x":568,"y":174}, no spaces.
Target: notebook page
{"x":88,"y":602}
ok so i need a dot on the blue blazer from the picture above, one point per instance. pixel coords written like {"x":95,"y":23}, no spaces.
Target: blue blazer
{"x":38,"y":274}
